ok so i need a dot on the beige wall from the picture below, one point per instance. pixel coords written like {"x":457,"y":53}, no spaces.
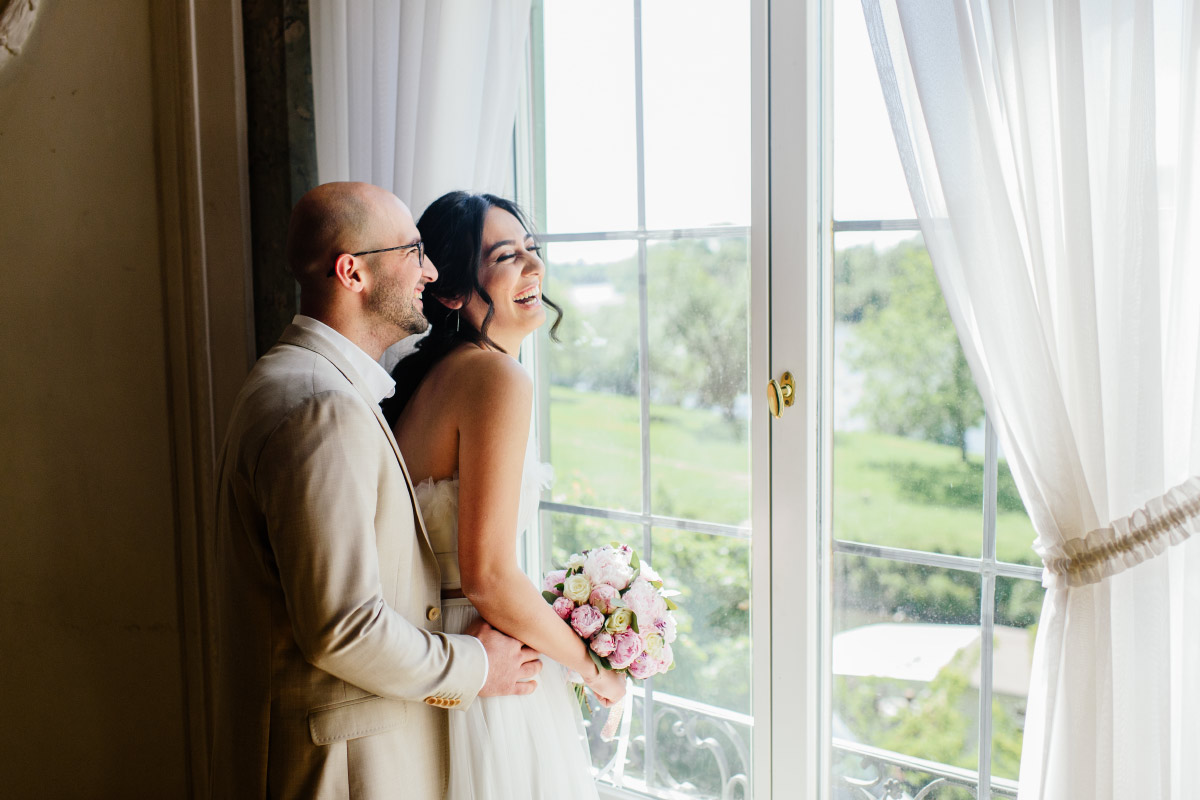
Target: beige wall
{"x":90,"y":648}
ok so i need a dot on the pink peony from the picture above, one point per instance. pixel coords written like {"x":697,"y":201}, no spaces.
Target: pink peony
{"x":643,"y":667}
{"x":644,"y":600}
{"x":603,"y":644}
{"x":666,"y":660}
{"x":586,"y":620}
{"x":628,"y":646}
{"x":604,"y":597}
{"x":605,"y":565}
{"x":553,"y":579}
{"x":563,"y":607}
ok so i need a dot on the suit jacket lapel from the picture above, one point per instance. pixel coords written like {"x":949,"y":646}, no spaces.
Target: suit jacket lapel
{"x":297,"y":336}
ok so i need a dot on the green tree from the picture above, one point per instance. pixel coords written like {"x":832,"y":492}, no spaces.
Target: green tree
{"x":916,"y":381}
{"x":699,"y":345}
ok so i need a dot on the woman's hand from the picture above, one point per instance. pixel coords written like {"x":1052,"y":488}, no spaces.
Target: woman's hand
{"x":608,"y":686}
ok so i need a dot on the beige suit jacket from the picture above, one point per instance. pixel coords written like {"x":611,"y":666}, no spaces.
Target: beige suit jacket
{"x":333,"y":674}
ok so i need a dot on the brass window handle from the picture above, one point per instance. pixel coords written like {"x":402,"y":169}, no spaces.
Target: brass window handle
{"x":781,"y":394}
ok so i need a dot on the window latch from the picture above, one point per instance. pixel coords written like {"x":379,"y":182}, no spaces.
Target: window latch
{"x":781,"y":394}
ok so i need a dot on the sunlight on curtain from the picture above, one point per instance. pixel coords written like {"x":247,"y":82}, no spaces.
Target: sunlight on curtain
{"x":1050,"y":149}
{"x":418,"y":97}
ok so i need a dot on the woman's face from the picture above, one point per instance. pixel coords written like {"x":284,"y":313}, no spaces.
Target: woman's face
{"x":511,"y":271}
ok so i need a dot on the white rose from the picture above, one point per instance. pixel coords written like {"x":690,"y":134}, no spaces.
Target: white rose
{"x":577,"y":589}
{"x":654,"y":645}
{"x":618,"y":621}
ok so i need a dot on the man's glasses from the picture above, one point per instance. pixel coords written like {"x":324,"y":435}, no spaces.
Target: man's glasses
{"x":420,"y":248}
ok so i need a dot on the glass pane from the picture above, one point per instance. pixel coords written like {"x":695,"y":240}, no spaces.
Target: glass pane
{"x":905,"y":648}
{"x":1014,"y":530}
{"x":595,"y":419}
{"x":696,"y":101}
{"x":908,"y":421}
{"x":1018,"y":609}
{"x":699,"y":293}
{"x":868,"y":180}
{"x":574,"y":533}
{"x":707,"y":696}
{"x":591,"y":142}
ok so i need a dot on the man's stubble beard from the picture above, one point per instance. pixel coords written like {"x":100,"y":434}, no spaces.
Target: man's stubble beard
{"x":390,"y":304}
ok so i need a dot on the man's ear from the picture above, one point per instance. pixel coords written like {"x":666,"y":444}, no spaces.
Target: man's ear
{"x":347,"y":270}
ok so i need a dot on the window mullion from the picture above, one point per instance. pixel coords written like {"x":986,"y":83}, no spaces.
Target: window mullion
{"x":643,"y":363}
{"x":987,"y":610}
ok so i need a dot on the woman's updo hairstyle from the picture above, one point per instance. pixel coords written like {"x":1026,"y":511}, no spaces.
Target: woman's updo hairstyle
{"x":452,"y":231}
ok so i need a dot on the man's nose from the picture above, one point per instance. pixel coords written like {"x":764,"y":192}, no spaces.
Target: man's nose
{"x":429,"y":270}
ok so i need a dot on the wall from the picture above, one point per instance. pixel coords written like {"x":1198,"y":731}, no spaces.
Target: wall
{"x":91,"y":652}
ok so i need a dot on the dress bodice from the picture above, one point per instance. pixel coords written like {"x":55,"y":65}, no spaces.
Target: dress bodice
{"x":439,"y":508}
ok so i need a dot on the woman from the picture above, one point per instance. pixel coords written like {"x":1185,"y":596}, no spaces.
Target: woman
{"x":463,"y":427}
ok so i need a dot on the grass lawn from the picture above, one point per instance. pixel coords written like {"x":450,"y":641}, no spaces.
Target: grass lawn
{"x":888,"y":490}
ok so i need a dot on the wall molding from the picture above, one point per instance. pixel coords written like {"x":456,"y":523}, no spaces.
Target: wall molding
{"x":204,"y":239}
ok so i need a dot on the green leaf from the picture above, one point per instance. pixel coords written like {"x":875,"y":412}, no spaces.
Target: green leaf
{"x":671,"y":604}
{"x":550,"y":597}
{"x":671,"y":667}
{"x":633,"y":622}
{"x":634,"y":561}
{"x":600,"y":662}
{"x":656,"y":584}
{"x":559,"y":586}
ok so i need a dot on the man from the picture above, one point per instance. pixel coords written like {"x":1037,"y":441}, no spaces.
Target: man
{"x":334,"y":677}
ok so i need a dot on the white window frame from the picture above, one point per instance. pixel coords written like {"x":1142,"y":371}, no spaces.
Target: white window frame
{"x":791,"y":247}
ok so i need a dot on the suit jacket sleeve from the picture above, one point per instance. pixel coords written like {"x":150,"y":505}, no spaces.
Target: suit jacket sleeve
{"x":317,"y":480}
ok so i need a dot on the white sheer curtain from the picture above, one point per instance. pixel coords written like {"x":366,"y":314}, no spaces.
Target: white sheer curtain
{"x":418,"y":96}
{"x":1051,"y":150}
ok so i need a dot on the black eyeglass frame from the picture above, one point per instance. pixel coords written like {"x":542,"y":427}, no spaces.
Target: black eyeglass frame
{"x":420,"y":254}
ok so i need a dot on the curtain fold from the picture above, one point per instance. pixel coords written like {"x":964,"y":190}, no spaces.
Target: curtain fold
{"x":418,"y":96}
{"x":1050,"y":148}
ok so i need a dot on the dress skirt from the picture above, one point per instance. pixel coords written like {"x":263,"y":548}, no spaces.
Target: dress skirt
{"x":518,"y":748}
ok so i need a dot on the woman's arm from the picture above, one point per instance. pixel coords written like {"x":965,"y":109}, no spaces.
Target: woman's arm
{"x":493,"y":433}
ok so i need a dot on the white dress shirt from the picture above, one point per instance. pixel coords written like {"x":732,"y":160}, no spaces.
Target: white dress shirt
{"x":377,"y":379}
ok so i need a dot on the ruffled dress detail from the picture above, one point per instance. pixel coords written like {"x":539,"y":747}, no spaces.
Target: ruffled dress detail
{"x":507,"y":748}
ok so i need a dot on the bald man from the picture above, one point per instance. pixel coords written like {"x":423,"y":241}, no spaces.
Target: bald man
{"x":334,"y":677}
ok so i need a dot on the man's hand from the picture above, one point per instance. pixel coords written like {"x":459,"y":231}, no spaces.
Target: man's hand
{"x":512,"y":666}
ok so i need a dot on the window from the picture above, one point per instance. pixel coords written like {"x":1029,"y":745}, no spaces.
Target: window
{"x":641,"y":183}
{"x":642,"y":195}
{"x":935,"y":592}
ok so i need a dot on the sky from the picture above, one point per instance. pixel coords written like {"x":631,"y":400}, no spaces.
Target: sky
{"x":696,"y":100}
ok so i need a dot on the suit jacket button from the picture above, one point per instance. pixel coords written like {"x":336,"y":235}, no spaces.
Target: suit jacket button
{"x":434,"y":614}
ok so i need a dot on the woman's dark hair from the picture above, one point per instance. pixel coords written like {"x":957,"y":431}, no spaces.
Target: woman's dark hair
{"x":452,"y":230}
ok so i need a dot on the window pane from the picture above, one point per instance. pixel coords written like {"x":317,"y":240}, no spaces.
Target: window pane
{"x":868,"y":180}
{"x":1018,"y":608}
{"x":908,"y":421}
{"x":591,"y":145}
{"x":696,"y":100}
{"x":905,"y":666}
{"x":699,"y":291}
{"x":595,"y":417}
{"x":574,"y":533}
{"x":712,"y":658}
{"x":1014,"y":530}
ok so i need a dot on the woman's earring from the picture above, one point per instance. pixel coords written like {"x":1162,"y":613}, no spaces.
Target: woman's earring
{"x":457,"y":320}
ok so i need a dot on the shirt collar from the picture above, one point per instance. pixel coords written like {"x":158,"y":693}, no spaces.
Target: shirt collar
{"x":378,"y":381}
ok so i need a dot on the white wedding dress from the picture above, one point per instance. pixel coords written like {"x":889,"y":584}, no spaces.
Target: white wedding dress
{"x":507,"y":748}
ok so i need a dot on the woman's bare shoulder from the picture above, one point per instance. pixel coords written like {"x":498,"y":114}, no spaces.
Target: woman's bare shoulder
{"x":473,"y":369}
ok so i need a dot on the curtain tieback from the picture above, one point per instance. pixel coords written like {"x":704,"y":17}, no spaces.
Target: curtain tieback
{"x":1127,"y":542}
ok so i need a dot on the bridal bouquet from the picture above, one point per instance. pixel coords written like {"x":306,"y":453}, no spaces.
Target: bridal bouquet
{"x":618,"y":607}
